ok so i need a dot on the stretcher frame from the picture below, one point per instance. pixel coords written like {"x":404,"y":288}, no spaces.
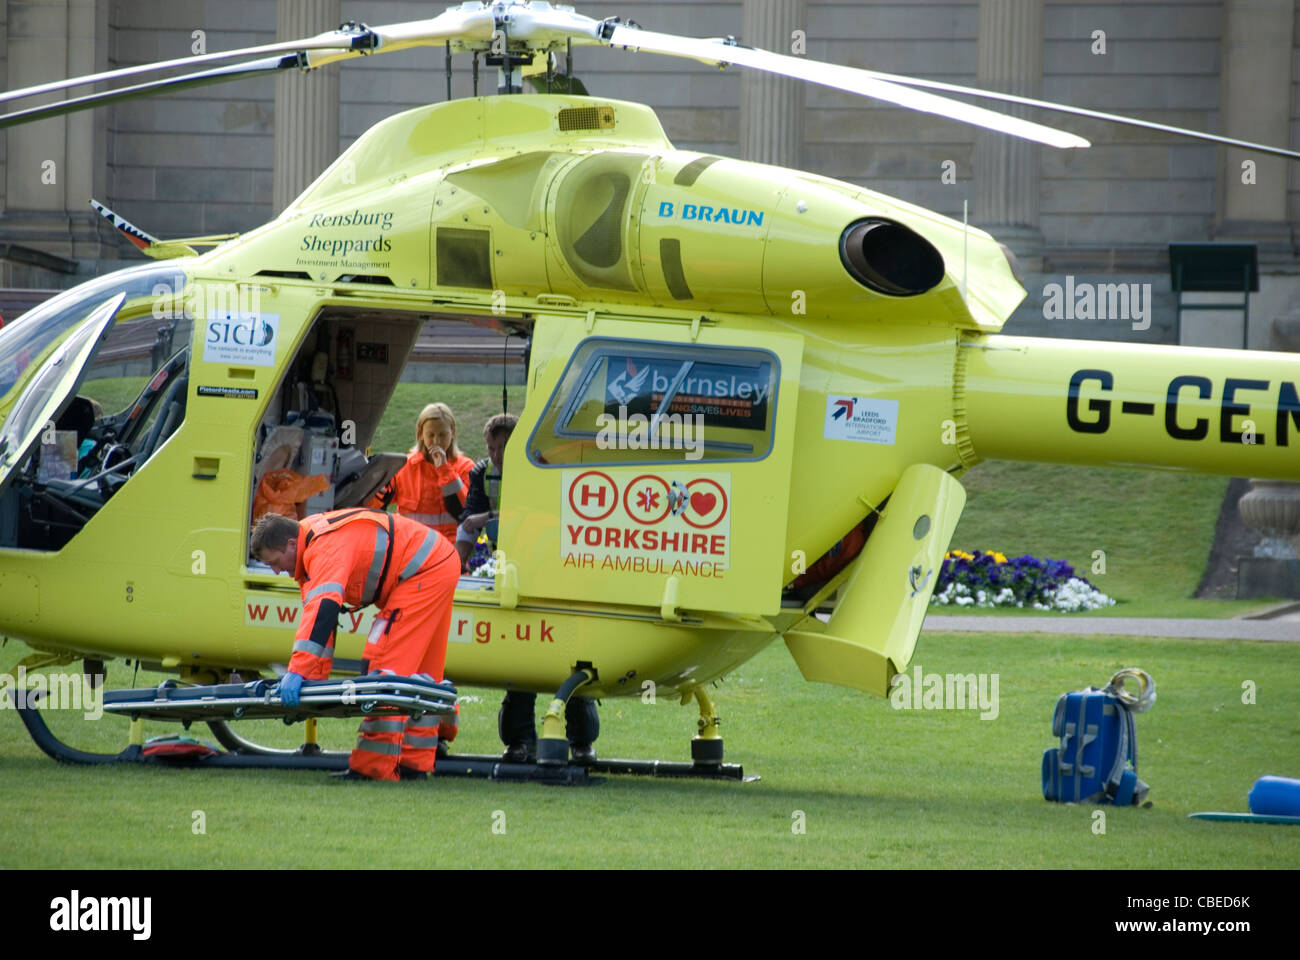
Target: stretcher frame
{"x":368,"y":696}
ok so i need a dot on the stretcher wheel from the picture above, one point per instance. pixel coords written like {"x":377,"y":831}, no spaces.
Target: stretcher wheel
{"x":369,"y":706}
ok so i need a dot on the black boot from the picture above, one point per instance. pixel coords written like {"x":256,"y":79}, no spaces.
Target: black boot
{"x":517,"y":727}
{"x":582,"y":727}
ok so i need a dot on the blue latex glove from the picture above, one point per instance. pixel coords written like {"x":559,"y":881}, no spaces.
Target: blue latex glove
{"x":291,"y":689}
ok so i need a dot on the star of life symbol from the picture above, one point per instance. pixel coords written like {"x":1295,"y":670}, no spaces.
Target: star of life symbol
{"x":647,"y":499}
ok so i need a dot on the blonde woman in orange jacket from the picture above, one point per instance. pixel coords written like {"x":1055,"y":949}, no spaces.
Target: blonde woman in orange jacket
{"x":432,"y":485}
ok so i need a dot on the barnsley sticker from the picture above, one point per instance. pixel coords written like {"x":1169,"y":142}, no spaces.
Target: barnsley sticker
{"x":242,"y":393}
{"x":237,"y":336}
{"x":864,"y":419}
{"x":655,"y":522}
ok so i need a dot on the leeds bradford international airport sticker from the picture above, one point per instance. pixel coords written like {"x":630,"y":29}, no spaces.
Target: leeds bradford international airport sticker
{"x":655,"y":522}
{"x":238,"y":336}
{"x":242,"y":393}
{"x":864,"y":419}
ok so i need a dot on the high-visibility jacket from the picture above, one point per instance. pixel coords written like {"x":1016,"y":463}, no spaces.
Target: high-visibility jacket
{"x":435,"y":496}
{"x":350,"y":559}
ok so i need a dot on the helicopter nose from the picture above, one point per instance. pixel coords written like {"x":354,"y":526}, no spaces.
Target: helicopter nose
{"x":890,"y":258}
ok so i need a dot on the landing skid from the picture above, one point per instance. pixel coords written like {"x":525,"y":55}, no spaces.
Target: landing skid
{"x":245,"y":754}
{"x":640,"y":768}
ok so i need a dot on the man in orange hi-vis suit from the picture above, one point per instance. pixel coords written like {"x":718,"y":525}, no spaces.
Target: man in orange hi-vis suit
{"x":349,"y":559}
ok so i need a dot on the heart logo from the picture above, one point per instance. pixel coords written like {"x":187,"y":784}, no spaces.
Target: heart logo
{"x":703,"y":503}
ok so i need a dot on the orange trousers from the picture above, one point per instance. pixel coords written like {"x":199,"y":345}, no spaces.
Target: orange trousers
{"x":414,"y":641}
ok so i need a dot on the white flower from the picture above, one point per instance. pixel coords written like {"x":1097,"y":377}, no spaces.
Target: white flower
{"x":1069,"y":597}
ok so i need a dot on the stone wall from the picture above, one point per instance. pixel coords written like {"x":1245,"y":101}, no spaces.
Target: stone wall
{"x":200,"y":161}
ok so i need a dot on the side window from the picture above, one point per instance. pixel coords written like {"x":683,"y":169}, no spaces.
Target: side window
{"x":631,"y":401}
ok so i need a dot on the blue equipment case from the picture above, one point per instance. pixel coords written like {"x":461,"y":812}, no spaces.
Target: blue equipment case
{"x":1096,"y":761}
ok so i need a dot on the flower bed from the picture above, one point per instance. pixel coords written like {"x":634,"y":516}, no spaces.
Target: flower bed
{"x":989,"y":579}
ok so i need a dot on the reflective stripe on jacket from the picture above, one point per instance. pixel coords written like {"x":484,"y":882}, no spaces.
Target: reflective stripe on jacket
{"x":354,"y":558}
{"x":435,"y":496}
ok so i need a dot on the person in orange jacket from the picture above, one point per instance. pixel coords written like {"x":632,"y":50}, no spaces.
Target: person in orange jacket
{"x":432,"y":485}
{"x":355,"y":558}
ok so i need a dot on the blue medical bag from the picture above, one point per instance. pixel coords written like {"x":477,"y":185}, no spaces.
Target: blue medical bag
{"x":1096,"y":761}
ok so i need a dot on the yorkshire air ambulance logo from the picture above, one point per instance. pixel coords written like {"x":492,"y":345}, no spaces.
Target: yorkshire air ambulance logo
{"x":653,"y":522}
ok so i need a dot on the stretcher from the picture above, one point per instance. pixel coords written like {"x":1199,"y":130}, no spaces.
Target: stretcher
{"x":366,"y":696}
{"x":218,"y":705}
{"x":370,"y":695}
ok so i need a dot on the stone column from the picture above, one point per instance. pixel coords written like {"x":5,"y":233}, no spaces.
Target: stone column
{"x":306,"y":106}
{"x":771,"y":107}
{"x":1010,"y":60}
{"x":53,"y":167}
{"x":1255,"y":104}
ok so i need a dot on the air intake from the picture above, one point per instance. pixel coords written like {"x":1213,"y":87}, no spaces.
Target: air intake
{"x":586,"y":118}
{"x":890,"y":258}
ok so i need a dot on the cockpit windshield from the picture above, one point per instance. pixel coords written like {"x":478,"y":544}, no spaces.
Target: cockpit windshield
{"x":27,"y":338}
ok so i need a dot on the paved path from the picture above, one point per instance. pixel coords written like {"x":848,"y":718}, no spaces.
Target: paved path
{"x":1286,"y":628}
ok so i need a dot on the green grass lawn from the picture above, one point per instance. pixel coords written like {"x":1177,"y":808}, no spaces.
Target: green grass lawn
{"x":877,"y":787}
{"x":472,"y":405}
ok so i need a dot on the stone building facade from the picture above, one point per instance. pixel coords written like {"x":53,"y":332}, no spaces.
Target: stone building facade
{"x":227,"y":158}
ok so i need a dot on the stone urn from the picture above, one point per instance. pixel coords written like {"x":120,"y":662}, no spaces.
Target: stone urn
{"x":1272,"y":507}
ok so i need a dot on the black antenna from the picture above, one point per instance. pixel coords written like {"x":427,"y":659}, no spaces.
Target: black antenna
{"x":505,"y":405}
{"x":448,"y":69}
{"x":568,"y":64}
{"x":476,"y":73}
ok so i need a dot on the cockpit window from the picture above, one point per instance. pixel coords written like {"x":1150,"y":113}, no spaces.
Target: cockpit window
{"x":627,"y":401}
{"x":28,"y":337}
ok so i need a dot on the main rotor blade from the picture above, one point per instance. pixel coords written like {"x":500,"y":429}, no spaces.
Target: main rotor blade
{"x":851,"y":79}
{"x":454,"y":24}
{"x":1085,"y":112}
{"x":326,"y":41}
{"x":308,"y":53}
{"x":235,"y":71}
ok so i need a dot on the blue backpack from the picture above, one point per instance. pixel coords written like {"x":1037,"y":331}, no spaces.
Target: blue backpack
{"x":1097,"y":759}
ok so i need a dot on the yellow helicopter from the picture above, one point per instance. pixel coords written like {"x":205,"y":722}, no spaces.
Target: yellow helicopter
{"x":731,"y":367}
